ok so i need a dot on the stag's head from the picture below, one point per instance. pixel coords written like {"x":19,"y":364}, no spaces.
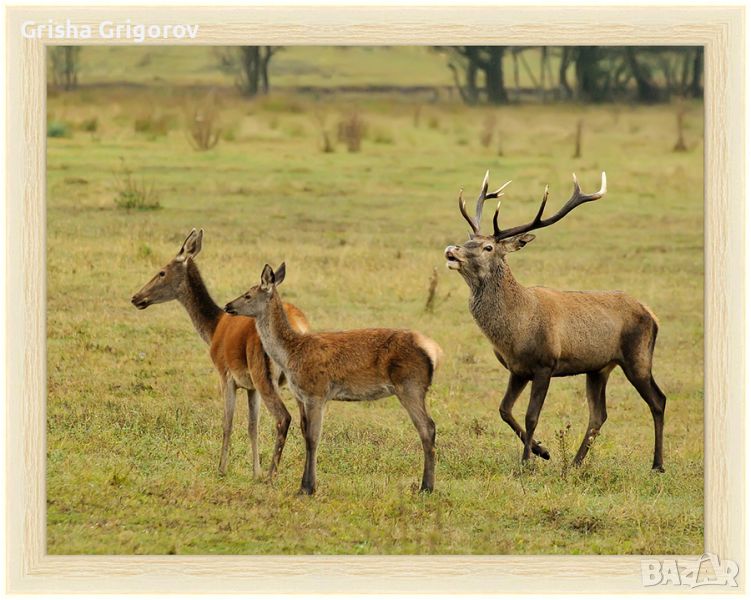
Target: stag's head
{"x":483,"y":254}
{"x":171,"y":280}
{"x":253,"y":303}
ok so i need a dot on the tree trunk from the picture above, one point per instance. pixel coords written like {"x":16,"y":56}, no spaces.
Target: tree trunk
{"x":562,"y":69}
{"x":646,"y":90}
{"x":698,"y":70}
{"x":494,"y":77}
{"x":588,"y":75}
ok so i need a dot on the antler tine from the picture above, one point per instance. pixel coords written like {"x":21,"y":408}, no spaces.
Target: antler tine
{"x":538,"y":222}
{"x":498,"y":193}
{"x":538,"y":216}
{"x":481,"y":199}
{"x":463,"y":210}
{"x":496,"y":229}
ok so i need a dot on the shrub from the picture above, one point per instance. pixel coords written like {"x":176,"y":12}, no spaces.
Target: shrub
{"x":352,"y":129}
{"x":91,"y":125}
{"x":154,"y":124}
{"x":58,"y":129}
{"x":202,"y":124}
{"x":327,"y":146}
{"x":131,"y":193}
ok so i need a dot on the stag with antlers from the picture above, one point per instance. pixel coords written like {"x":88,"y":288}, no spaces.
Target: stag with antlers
{"x":538,"y":333}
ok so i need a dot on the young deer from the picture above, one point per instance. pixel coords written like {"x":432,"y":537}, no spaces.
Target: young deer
{"x":363,"y":364}
{"x":538,"y":333}
{"x":234,"y":346}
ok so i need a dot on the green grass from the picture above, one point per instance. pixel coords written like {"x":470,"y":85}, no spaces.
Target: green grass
{"x":134,"y":414}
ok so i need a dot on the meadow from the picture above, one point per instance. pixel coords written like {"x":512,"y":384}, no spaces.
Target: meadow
{"x":134,"y":413}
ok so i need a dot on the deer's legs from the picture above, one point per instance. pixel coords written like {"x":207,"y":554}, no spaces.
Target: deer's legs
{"x":229,"y":390}
{"x":282,"y":419}
{"x":540,"y":384}
{"x":303,"y":423}
{"x":254,"y":407}
{"x":651,"y":393}
{"x":413,"y":400}
{"x":596,"y":383}
{"x":514,"y":389}
{"x":313,"y":426}
{"x":264,"y":384}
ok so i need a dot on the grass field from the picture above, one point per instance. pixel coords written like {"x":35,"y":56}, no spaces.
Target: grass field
{"x":134,"y":413}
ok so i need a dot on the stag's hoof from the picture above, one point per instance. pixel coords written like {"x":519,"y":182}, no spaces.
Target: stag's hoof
{"x":658,"y":468}
{"x":541,"y":451}
{"x":306,"y":491}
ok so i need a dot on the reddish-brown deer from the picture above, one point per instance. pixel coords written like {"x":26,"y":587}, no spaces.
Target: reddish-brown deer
{"x":363,"y":364}
{"x":235,"y":347}
{"x":538,"y":333}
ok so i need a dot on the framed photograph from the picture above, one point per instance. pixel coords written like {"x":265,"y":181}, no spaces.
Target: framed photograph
{"x":344,"y":391}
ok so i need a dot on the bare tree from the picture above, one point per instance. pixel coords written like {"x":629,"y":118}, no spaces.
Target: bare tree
{"x":65,"y":65}
{"x":250,"y":65}
{"x":469,"y":61}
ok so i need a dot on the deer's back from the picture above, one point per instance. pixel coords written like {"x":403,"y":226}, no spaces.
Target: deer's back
{"x":361,"y":364}
{"x":587,"y":330}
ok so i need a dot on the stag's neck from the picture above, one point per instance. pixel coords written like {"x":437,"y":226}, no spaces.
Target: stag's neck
{"x":196,"y":299}
{"x":499,"y":302}
{"x":277,"y":335}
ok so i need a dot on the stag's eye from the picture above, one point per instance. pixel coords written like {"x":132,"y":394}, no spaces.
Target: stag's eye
{"x":247,"y":296}
{"x":488,"y":248}
{"x":162,"y":273}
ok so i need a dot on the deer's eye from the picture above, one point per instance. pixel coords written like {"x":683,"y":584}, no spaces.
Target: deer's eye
{"x":162,"y":273}
{"x":247,"y":296}
{"x":488,"y":248}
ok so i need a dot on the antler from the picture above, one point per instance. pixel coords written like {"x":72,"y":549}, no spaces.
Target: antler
{"x":538,"y":222}
{"x":484,"y":195}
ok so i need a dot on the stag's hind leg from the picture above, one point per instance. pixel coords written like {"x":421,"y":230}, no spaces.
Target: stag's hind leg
{"x":412,"y":398}
{"x":651,"y":393}
{"x":598,"y":414}
{"x":515,"y":387}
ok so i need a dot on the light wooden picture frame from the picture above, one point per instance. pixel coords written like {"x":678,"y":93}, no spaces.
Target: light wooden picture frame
{"x":721,"y":32}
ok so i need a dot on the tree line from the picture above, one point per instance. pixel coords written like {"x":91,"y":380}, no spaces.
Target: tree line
{"x":600,"y":73}
{"x":596,"y":74}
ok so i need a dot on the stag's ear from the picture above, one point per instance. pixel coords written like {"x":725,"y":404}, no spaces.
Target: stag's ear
{"x":192,"y":245}
{"x":517,"y":242}
{"x":267,"y":278}
{"x":280,"y":273}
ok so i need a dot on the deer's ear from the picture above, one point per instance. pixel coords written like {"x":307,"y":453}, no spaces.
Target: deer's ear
{"x":280,"y":273}
{"x":267,"y":277}
{"x":517,"y":242}
{"x":192,"y":245}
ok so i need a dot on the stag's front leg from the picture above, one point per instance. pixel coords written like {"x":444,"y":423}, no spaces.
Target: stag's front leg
{"x":514,"y":389}
{"x":540,"y":385}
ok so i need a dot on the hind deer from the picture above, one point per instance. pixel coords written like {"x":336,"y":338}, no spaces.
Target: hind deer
{"x":235,"y":347}
{"x":538,"y":333}
{"x":362,"y":364}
